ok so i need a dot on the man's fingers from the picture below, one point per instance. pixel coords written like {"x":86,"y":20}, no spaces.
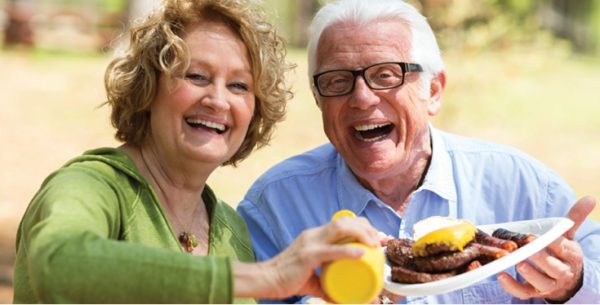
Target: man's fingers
{"x":540,"y":282}
{"x":578,"y":213}
{"x":552,"y":266}
{"x":513,"y":287}
{"x":387,"y":297}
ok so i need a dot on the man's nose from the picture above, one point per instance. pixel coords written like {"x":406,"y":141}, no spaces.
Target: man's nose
{"x":362,"y":96}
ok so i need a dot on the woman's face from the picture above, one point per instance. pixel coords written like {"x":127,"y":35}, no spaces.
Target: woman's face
{"x":206,"y":114}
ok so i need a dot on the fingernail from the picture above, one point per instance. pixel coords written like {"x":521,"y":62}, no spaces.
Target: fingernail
{"x":357,"y":252}
{"x":523,"y":267}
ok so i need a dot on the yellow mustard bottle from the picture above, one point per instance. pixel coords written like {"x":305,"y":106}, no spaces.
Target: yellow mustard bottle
{"x":354,"y":281}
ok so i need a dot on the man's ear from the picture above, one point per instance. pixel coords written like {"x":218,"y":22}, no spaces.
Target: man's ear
{"x":315,"y":98}
{"x":438,"y":83}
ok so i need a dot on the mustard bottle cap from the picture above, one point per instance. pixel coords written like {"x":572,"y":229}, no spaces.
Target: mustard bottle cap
{"x":342,"y":213}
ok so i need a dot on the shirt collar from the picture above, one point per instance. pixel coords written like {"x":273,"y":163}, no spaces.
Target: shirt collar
{"x":353,"y":196}
{"x":439,"y":178}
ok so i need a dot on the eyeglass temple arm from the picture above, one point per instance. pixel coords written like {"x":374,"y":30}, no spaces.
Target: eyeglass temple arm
{"x":414,"y":68}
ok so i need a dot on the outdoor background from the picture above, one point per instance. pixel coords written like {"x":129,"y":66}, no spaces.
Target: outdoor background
{"x":524,"y":73}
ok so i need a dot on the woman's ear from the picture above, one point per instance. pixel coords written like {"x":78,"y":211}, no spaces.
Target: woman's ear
{"x":438,"y":83}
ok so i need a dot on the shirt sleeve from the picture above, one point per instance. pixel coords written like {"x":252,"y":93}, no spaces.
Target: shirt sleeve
{"x":263,"y":241}
{"x":261,"y":233}
{"x":560,"y":199}
{"x":588,"y":237}
{"x":71,"y":254}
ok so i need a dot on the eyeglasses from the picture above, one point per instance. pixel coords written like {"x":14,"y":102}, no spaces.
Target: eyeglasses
{"x":379,"y":76}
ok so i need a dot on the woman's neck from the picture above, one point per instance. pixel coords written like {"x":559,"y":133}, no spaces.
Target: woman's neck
{"x":178,"y":191}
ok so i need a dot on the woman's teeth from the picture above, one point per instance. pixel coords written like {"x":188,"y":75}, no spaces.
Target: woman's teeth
{"x":219,"y":128}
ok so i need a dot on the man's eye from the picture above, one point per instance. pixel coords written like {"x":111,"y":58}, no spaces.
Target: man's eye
{"x":382,"y":75}
{"x":385,"y":77}
{"x":197,"y":78}
{"x":334,"y":81}
{"x":339,"y":81}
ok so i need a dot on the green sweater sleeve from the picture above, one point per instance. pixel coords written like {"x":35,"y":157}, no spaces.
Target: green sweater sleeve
{"x":68,"y":251}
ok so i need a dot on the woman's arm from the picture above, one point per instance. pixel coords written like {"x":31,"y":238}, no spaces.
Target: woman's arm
{"x":291,"y":272}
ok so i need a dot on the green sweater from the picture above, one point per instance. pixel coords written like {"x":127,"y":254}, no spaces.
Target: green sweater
{"x":95,"y":233}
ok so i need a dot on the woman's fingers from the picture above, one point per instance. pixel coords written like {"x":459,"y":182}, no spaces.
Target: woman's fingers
{"x":346,"y":229}
{"x":294,"y":268}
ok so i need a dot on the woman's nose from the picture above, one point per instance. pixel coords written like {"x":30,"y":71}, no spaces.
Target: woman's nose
{"x":216,"y":97}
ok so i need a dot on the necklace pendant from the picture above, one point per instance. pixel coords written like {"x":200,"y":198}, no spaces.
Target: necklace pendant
{"x":188,"y":241}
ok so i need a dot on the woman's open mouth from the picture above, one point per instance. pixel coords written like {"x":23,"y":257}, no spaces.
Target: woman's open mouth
{"x":208,"y":125}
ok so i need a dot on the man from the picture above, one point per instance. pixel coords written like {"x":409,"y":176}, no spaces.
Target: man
{"x":378,"y":78}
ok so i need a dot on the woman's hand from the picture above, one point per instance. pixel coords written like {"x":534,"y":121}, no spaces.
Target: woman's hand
{"x":291,"y":272}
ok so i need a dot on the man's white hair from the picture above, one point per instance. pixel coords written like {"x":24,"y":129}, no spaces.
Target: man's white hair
{"x":424,"y":48}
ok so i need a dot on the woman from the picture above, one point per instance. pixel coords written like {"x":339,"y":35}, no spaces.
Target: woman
{"x":200,"y":86}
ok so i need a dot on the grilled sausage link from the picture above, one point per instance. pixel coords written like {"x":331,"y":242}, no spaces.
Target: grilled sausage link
{"x":489,"y":240}
{"x":519,"y":238}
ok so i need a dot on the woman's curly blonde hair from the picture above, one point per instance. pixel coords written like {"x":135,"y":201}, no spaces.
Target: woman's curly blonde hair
{"x":156,"y":46}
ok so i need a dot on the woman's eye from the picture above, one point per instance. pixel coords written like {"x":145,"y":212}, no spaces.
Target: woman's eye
{"x":197,"y":78}
{"x":239,"y":87}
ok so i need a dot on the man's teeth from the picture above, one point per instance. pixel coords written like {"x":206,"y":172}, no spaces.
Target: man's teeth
{"x":208,"y":124}
{"x":370,"y":139}
{"x":372,"y":132}
{"x":368,"y":127}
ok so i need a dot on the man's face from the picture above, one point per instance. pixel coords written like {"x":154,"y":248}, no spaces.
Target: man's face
{"x":380,"y":133}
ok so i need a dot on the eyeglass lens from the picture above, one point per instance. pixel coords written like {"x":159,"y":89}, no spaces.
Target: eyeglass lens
{"x":379,"y":76}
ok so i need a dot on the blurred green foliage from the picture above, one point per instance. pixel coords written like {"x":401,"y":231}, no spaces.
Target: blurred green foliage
{"x":103,"y":5}
{"x":480,"y":25}
{"x":466,"y":25}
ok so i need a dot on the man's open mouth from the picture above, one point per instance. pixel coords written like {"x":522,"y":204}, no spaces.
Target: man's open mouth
{"x":212,"y":126}
{"x":373,"y":132}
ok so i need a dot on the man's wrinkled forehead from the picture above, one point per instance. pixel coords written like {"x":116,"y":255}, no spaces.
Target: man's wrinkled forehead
{"x":346,"y":44}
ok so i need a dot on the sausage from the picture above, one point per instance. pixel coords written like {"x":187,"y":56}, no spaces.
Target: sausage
{"x":473,"y":265}
{"x":489,"y":240}
{"x":519,"y":238}
{"x":490,"y":251}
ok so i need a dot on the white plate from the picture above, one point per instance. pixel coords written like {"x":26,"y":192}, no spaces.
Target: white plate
{"x":547,"y":230}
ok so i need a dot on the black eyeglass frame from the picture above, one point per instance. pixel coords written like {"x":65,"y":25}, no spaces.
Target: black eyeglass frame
{"x":406,"y":67}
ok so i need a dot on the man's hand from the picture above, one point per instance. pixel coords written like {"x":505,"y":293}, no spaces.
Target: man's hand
{"x":556,"y":272}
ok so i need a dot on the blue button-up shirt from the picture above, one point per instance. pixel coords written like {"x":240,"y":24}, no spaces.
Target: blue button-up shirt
{"x":470,"y":179}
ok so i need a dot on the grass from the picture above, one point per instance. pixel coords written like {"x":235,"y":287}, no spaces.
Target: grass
{"x":543,"y":103}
